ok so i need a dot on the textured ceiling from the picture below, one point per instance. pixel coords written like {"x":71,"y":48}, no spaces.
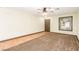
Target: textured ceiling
{"x":61,"y":10}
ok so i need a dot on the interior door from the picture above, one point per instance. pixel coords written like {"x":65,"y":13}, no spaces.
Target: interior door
{"x":47,"y":25}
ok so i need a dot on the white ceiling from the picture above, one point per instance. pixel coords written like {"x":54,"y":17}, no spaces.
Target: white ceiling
{"x":62,"y":10}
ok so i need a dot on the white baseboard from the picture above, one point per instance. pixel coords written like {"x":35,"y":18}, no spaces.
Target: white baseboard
{"x":14,"y":35}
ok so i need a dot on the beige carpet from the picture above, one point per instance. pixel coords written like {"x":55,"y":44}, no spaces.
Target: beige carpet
{"x":49,"y":42}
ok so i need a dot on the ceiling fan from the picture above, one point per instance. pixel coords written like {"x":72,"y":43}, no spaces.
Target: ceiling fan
{"x":47,"y":10}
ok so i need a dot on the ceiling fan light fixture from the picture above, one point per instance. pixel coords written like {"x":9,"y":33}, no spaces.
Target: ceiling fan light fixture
{"x":44,"y":13}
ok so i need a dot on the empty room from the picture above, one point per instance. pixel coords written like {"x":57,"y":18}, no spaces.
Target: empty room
{"x":39,"y":28}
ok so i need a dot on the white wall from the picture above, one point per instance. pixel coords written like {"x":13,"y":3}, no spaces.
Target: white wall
{"x":55,"y":24}
{"x":78,"y":25}
{"x":14,"y":23}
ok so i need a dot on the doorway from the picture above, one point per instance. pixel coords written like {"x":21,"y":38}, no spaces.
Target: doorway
{"x":47,"y":25}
